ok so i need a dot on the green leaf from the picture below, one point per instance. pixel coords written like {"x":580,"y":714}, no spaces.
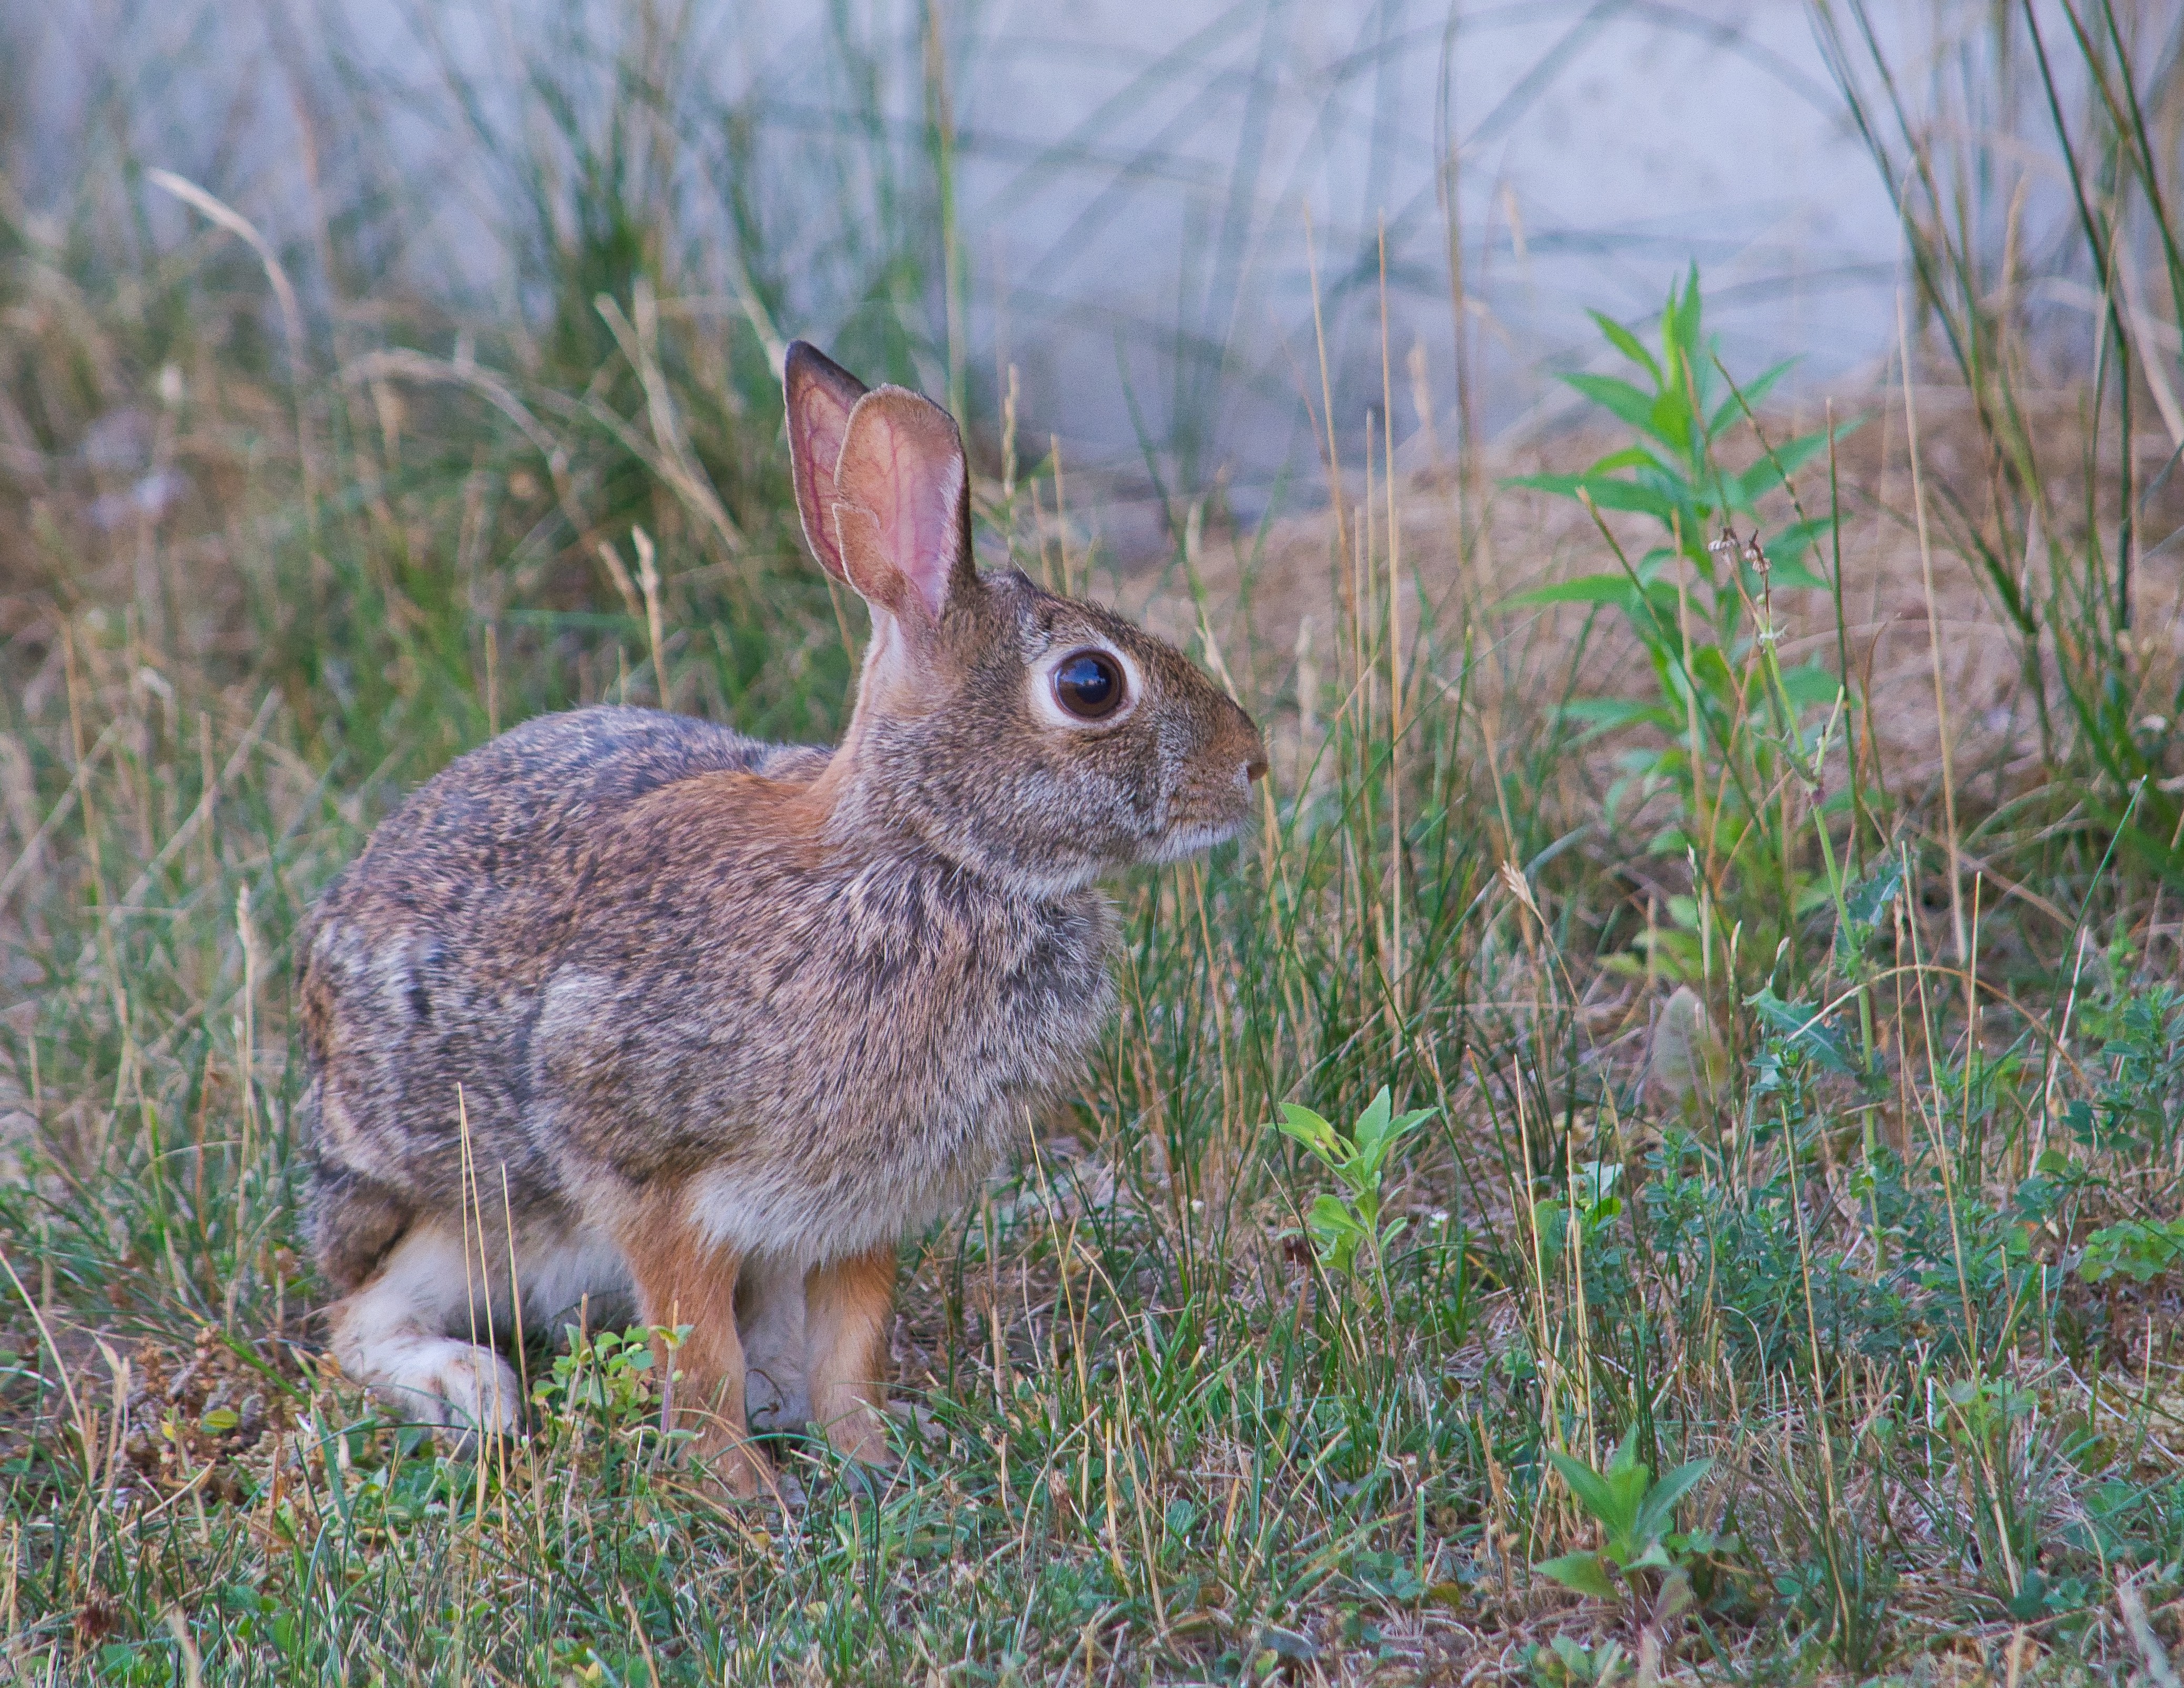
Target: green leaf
{"x":1774,"y":470}
{"x":1630,"y":457}
{"x":1794,"y":453}
{"x":1786,"y":547}
{"x":1593,"y":1491}
{"x":1587,"y":1572}
{"x":1670,"y":419}
{"x":1793,"y":576}
{"x":1809,"y":685}
{"x":1800,"y":1025}
{"x":1378,"y":1132}
{"x":1402,"y":1126}
{"x":1335,"y":1231}
{"x":1301,"y":1125}
{"x":1605,"y":714}
{"x":220,"y":1421}
{"x":1592,"y":589}
{"x":1659,"y":1511}
{"x":2137,"y":1249}
{"x":1330,"y":1217}
{"x":1682,"y":327}
{"x":1563,"y":486}
{"x":1627,"y":1477}
{"x":1709,"y":669}
{"x":1866,"y":901}
{"x":1628,"y":343}
{"x":1371,"y":1135}
{"x":1623,"y":401}
{"x":1745,"y":491}
{"x":1753,"y":391}
{"x":1597,"y":1179}
{"x":1548,"y":1221}
{"x":1608,"y":494}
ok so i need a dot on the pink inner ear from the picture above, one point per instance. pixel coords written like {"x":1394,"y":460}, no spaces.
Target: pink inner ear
{"x":902,"y":464}
{"x":815,"y":441}
{"x":820,"y":396}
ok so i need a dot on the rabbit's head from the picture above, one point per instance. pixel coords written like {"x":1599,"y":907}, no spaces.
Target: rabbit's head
{"x":1032,"y":738}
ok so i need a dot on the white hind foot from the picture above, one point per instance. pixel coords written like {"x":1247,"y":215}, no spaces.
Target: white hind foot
{"x":391,"y":1336}
{"x":454,"y":1385}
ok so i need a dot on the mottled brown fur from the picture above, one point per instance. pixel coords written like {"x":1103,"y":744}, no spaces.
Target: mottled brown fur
{"x":705,"y":998}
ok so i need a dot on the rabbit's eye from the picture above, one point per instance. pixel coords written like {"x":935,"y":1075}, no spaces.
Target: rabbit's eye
{"x":1088,"y":684}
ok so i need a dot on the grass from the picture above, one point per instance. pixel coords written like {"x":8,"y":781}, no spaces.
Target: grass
{"x":1732,"y":1232}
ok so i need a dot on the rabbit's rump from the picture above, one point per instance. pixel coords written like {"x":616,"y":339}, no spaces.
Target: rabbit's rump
{"x":597,"y":987}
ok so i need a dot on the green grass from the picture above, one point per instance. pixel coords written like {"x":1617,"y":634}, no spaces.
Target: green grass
{"x":1803,"y":1129}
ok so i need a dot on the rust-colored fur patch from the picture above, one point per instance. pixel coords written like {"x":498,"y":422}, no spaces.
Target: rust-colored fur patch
{"x":683,"y":1279}
{"x":845,"y":1312}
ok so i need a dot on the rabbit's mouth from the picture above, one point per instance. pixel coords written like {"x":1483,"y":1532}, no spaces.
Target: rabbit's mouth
{"x":1205,"y":812}
{"x":1180,"y":842}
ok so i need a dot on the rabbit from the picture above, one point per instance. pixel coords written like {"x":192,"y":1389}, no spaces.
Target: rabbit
{"x":625,"y":1009}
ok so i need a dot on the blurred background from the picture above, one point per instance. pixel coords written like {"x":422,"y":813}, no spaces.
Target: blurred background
{"x":325,"y":324}
{"x":1125,"y":201}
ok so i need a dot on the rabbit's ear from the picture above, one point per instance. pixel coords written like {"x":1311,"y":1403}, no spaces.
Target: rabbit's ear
{"x":821,"y":395}
{"x":902,"y":513}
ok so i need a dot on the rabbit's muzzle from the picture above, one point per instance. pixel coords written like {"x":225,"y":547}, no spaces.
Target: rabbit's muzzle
{"x":1212,"y":800}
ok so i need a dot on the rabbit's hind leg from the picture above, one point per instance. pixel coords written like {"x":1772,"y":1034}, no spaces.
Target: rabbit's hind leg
{"x":846,"y":1305}
{"x":392,"y":1336}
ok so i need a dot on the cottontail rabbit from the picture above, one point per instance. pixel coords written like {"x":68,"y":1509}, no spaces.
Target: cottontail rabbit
{"x":624,"y":1005}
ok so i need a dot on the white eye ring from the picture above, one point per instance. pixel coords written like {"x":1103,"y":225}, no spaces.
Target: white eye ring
{"x":1047,"y":705}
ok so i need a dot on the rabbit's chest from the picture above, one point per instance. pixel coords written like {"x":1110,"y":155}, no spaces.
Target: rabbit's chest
{"x":919,"y":1060}
{"x":928,"y":1006}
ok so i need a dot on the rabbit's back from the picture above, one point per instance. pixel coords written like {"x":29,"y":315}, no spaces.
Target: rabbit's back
{"x":424,"y":962}
{"x":515,"y":813}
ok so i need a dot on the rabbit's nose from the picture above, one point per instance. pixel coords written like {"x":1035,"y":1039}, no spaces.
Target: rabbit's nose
{"x":1240,"y":738}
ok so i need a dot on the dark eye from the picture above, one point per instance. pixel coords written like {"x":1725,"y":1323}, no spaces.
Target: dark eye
{"x":1088,"y":684}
